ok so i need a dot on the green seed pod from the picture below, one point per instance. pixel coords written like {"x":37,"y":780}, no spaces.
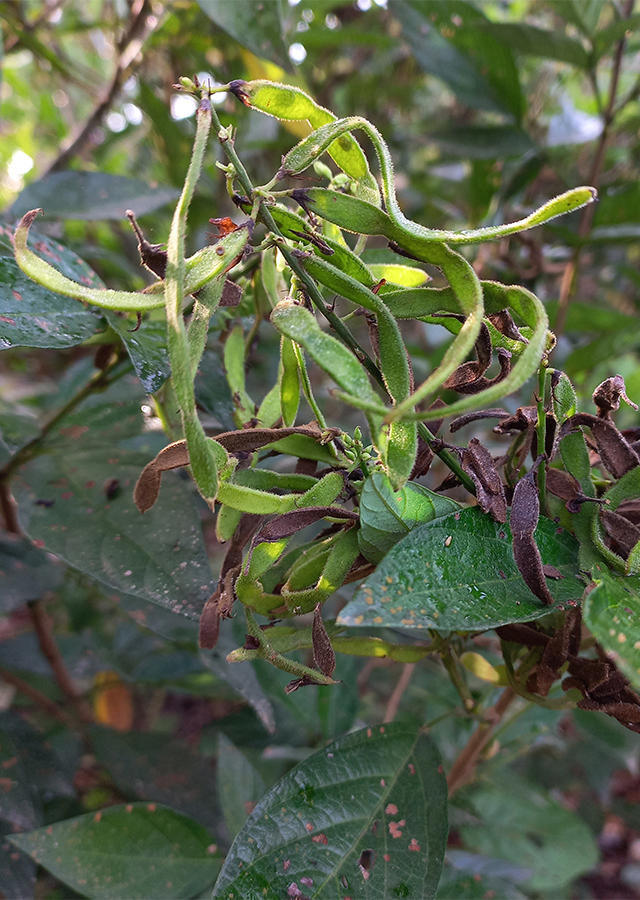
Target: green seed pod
{"x":227,"y":522}
{"x":292,"y":104}
{"x":289,"y":382}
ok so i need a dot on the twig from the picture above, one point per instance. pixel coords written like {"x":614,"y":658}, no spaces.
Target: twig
{"x":586,"y":217}
{"x":141,"y":24}
{"x":51,"y":652}
{"x":9,"y":509}
{"x":40,"y":699}
{"x":462,"y":770}
{"x":395,"y":698}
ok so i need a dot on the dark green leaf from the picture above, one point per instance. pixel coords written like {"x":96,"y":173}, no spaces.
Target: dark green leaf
{"x":583,"y":13}
{"x":159,"y":556}
{"x":522,"y":823}
{"x":608,"y":36}
{"x":458,"y":573}
{"x":533,"y":41}
{"x":137,"y":851}
{"x":90,"y":195}
{"x":437,"y":56}
{"x":256,"y":25}
{"x":612,"y":613}
{"x":212,"y":390}
{"x":147,"y":349}
{"x":159,"y":768}
{"x":483,"y":141}
{"x":34,"y":316}
{"x":15,"y":431}
{"x":242,"y":678}
{"x":380,"y":791}
{"x":387,"y":515}
{"x":239,"y":785}
{"x":25,"y":572}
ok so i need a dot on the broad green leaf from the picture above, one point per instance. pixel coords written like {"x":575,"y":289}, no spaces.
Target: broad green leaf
{"x":379,"y":791}
{"x":458,"y":573}
{"x":91,"y":195}
{"x":240,"y":786}
{"x":156,"y":767}
{"x":583,"y":13}
{"x":458,"y":54}
{"x":612,"y":613}
{"x":482,"y":141}
{"x":135,"y":851}
{"x":610,"y":35}
{"x":159,"y":556}
{"x":34,"y":316}
{"x":147,"y":349}
{"x":468,"y":876}
{"x":26,"y":573}
{"x":520,"y":822}
{"x":387,"y":515}
{"x":256,"y":25}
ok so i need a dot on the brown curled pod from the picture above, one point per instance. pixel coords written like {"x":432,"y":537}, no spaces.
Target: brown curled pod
{"x":478,"y":463}
{"x":323,"y":651}
{"x":525,"y":512}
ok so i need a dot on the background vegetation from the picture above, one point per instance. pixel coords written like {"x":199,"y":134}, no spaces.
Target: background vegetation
{"x":489,"y":109}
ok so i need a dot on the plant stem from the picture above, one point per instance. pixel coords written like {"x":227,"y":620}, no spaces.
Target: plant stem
{"x":51,"y":652}
{"x":398,"y":691}
{"x":462,"y":770}
{"x":593,"y":178}
{"x":451,"y":665}
{"x":310,"y":286}
{"x":306,"y":386}
{"x":541,"y":430}
{"x":447,"y":457}
{"x":267,"y":652}
{"x":45,"y":703}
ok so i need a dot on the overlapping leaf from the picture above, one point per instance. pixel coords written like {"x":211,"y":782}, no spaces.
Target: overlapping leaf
{"x":458,"y":573}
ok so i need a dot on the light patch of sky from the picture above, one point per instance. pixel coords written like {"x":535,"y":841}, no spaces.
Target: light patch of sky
{"x":115,"y":122}
{"x":183,"y":106}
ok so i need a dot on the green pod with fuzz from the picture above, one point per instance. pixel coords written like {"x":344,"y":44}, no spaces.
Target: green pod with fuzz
{"x":289,"y":103}
{"x":227,"y":521}
{"x":337,"y":565}
{"x":289,"y":382}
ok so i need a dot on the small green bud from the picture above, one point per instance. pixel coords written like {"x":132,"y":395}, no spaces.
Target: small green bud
{"x":322,"y":170}
{"x":186,"y":84}
{"x":357,"y":434}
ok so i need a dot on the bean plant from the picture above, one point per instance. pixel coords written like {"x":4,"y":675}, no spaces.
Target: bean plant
{"x":541,"y":544}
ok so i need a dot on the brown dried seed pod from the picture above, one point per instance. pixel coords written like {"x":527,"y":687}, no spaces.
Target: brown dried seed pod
{"x":152,"y":256}
{"x":323,"y":652}
{"x":529,"y":563}
{"x":623,"y":534}
{"x":616,"y":453}
{"x":478,"y":463}
{"x":525,"y":506}
{"x":209,"y":630}
{"x":503,"y":322}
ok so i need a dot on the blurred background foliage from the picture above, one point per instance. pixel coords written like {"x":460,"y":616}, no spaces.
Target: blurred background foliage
{"x":489,"y":109}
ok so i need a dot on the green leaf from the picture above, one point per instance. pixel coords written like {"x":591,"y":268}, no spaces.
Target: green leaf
{"x":135,"y":851}
{"x":458,"y":574}
{"x":256,"y":25}
{"x":16,"y":430}
{"x":172,"y":627}
{"x":212,"y":390}
{"x":34,"y":316}
{"x":612,"y":613}
{"x":159,"y":556}
{"x":533,"y":41}
{"x":482,"y":141}
{"x":25,"y":572}
{"x":459,"y":53}
{"x":519,"y":822}
{"x":147,"y":349}
{"x":162,"y":769}
{"x":239,"y":785}
{"x":380,"y":790}
{"x":387,"y":515}
{"x":614,"y":32}
{"x":90,"y":195}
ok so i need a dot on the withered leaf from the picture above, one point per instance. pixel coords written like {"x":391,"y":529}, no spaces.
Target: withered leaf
{"x":297,"y":683}
{"x":624,"y":534}
{"x":478,"y":463}
{"x":290,"y":523}
{"x":231,"y":294}
{"x":608,"y":394}
{"x":467,"y":418}
{"x":503,"y":322}
{"x":525,"y":512}
{"x":209,"y":630}
{"x":225,"y":225}
{"x":616,"y":453}
{"x":323,"y":652}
